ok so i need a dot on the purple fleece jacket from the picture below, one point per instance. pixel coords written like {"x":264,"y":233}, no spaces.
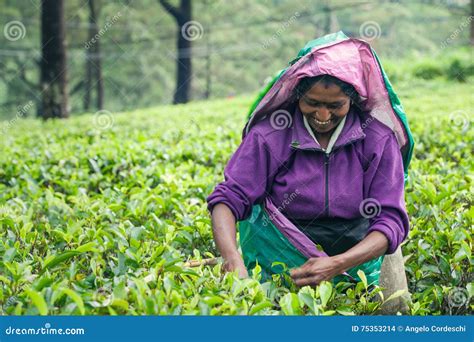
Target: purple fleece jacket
{"x":362,"y":176}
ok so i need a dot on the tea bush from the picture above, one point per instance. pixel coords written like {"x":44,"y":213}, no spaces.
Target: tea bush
{"x":100,"y":212}
{"x":455,"y":65}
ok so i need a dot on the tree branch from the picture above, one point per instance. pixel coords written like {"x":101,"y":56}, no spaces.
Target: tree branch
{"x":22,"y":76}
{"x":77,"y":87}
{"x":174,"y":11}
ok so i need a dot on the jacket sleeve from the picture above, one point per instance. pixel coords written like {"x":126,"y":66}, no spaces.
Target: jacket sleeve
{"x":386,"y":195}
{"x":247,"y":177}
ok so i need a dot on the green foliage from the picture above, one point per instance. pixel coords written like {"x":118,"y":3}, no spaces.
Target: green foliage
{"x":454,"y":65}
{"x":439,"y":198}
{"x":100,"y":220}
{"x":427,"y":70}
{"x":243,"y":43}
{"x":460,"y":71}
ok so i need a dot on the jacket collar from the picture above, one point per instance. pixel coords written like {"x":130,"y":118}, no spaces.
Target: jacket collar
{"x":333,"y":137}
{"x":302,"y":139}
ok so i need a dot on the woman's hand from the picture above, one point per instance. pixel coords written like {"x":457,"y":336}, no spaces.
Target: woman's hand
{"x":235,"y":264}
{"x":315,"y":270}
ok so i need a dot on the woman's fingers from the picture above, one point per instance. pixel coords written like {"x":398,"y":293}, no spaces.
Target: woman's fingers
{"x":312,"y":272}
{"x":236,"y":265}
{"x":243,"y":272}
{"x":302,"y":271}
{"x":314,"y":280}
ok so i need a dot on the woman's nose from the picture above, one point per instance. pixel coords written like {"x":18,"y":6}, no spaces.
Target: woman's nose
{"x":322,"y":114}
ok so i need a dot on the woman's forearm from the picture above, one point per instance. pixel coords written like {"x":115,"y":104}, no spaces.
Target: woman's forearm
{"x":372,"y":246}
{"x":224,"y":231}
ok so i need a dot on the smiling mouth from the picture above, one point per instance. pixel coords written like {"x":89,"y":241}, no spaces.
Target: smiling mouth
{"x":322,"y":123}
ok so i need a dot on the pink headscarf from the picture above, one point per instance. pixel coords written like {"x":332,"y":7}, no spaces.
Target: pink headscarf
{"x":352,"y":61}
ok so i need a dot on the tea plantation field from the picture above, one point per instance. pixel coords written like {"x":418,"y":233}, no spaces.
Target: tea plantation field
{"x":99,"y":213}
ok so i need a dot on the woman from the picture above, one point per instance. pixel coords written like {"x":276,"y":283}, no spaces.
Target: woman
{"x":322,"y":163}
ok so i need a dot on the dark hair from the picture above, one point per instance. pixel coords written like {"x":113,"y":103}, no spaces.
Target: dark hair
{"x":307,"y":83}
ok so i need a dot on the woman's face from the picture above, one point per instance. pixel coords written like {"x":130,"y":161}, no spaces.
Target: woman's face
{"x":324,"y":106}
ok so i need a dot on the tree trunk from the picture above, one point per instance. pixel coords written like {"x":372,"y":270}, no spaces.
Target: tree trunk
{"x":93,"y":61}
{"x":53,"y":79}
{"x":97,"y":60}
{"x":207,"y":94}
{"x":88,"y":81}
{"x":100,"y":80}
{"x":472,"y":23}
{"x":182,"y":16}
{"x":183,"y":70}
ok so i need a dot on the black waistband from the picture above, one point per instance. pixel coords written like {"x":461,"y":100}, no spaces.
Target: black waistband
{"x":335,"y":235}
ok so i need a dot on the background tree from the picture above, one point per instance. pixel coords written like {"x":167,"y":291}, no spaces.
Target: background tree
{"x":94,"y":77}
{"x":250,"y":41}
{"x":472,"y":23}
{"x":53,"y":80}
{"x":182,"y":15}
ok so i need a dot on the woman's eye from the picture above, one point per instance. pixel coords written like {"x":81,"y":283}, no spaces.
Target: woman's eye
{"x":317,"y":104}
{"x":312,"y":104}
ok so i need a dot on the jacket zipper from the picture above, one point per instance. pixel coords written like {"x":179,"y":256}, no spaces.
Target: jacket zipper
{"x":326,"y":200}
{"x":326,"y":171}
{"x":326,"y":167}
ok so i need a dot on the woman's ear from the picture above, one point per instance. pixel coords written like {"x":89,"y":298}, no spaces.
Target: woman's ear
{"x":297,"y":96}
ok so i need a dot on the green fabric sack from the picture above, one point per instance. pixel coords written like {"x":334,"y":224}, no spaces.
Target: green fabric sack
{"x":261,"y":242}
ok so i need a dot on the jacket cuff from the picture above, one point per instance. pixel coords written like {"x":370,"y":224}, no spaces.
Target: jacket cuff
{"x":216,"y":200}
{"x":390,"y":234}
